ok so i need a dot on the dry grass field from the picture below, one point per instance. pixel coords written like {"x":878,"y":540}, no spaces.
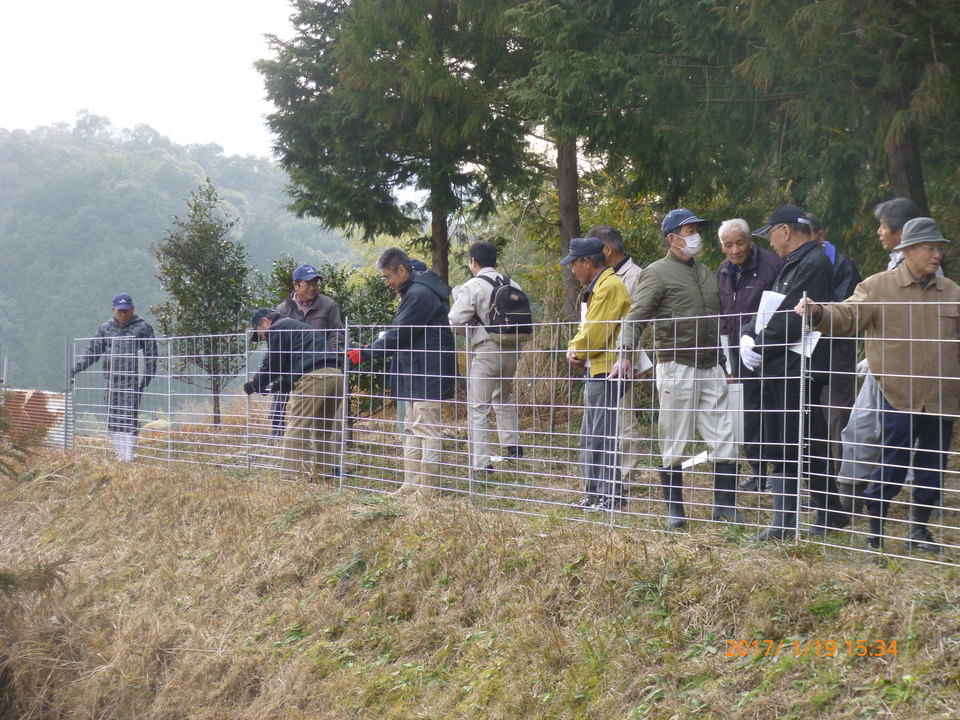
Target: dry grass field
{"x":171,"y":593}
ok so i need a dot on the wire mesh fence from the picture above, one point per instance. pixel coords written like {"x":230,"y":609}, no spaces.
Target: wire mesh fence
{"x":549,"y":439}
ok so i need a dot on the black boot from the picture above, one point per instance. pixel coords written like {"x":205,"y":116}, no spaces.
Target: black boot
{"x":921,"y":539}
{"x":725,"y":494}
{"x":825,"y":497}
{"x":783,"y":525}
{"x":672,"y":482}
{"x":878,"y":511}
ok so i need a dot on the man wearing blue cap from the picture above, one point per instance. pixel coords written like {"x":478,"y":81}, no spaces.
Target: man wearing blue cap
{"x":605,"y":302}
{"x":120,"y":341}
{"x":306,"y":304}
{"x":910,"y":319}
{"x":681,"y":297}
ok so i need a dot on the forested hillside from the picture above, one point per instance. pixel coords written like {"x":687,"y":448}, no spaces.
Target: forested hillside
{"x":80,"y":207}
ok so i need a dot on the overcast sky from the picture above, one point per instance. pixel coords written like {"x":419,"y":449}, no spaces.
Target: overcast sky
{"x":184,"y":67}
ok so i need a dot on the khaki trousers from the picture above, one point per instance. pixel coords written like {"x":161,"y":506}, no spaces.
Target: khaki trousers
{"x":423,"y":447}
{"x":490,"y":385}
{"x":311,"y":443}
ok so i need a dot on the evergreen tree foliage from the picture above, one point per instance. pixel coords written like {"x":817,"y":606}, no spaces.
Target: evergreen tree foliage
{"x":80,"y":207}
{"x":211,"y":293}
{"x":377,"y":97}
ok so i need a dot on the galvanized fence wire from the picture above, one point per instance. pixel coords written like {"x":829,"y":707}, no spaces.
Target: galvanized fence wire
{"x":521,"y":446}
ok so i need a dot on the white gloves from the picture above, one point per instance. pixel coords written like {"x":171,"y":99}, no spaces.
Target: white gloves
{"x":748,"y":355}
{"x":863,"y":367}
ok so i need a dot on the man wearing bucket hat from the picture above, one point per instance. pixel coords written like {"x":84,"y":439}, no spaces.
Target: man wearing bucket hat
{"x":684,"y":296}
{"x":910,"y":318}
{"x":120,"y":341}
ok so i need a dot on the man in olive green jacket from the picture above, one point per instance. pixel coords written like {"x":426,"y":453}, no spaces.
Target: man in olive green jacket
{"x":910,"y":318}
{"x":682,"y":298}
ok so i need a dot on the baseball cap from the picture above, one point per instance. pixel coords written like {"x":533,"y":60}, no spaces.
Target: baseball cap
{"x":678,"y":217}
{"x":786,"y":213}
{"x":918,"y":230}
{"x":305,"y":272}
{"x":258,"y":315}
{"x":582,"y":247}
{"x":122,"y":302}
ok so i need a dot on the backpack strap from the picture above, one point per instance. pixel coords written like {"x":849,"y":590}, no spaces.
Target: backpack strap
{"x":499,"y":282}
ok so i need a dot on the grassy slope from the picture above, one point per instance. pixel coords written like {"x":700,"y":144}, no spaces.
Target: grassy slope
{"x":195,"y":594}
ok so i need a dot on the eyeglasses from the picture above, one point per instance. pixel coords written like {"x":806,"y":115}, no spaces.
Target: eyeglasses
{"x":386,"y":277}
{"x":930,"y":249}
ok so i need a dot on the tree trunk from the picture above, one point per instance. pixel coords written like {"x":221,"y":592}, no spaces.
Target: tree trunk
{"x":439,"y":240}
{"x":216,"y":408}
{"x":568,"y":181}
{"x":906,"y":170}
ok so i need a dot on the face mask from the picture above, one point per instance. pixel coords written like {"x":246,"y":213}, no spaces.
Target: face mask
{"x":694,"y":245}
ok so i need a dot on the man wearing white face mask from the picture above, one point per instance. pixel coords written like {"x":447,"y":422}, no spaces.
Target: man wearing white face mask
{"x":680,"y":296}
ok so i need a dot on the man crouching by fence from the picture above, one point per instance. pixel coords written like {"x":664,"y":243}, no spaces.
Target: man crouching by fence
{"x":422,"y":343}
{"x":299,"y":355}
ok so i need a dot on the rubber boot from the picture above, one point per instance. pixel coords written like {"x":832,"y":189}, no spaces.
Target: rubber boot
{"x":921,"y":539}
{"x":725,"y":494}
{"x":672,"y":482}
{"x":783,"y":525}
{"x":878,"y":511}
{"x":824,"y":497}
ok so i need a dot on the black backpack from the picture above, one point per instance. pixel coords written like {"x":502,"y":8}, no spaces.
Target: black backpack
{"x":510,"y":317}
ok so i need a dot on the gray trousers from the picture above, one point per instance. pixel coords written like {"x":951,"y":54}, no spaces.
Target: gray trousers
{"x":598,"y":438}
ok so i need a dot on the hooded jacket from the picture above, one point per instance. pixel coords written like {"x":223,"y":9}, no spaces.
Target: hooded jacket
{"x":420,"y":340}
{"x":293,"y":349}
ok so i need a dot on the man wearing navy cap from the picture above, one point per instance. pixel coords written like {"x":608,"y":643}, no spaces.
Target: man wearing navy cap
{"x":120,"y":342}
{"x":766,"y":349}
{"x":592,"y":349}
{"x":682,"y":298}
{"x":310,"y":307}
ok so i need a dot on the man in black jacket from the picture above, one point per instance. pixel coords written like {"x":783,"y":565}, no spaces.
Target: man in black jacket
{"x":426,"y":364}
{"x":767,"y":349}
{"x":299,"y":357}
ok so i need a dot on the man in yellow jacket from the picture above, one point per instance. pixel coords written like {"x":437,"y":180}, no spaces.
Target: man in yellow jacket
{"x":593,"y":349}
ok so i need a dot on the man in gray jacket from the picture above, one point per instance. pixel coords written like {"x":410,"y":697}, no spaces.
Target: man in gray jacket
{"x":312,"y":308}
{"x":120,"y":341}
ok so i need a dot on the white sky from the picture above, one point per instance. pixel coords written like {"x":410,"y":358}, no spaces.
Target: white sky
{"x":184,"y":67}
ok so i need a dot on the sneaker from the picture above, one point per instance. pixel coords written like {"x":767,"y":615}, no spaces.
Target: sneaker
{"x":586,"y":503}
{"x":609,"y":504}
{"x":514,"y":451}
{"x":921,"y":540}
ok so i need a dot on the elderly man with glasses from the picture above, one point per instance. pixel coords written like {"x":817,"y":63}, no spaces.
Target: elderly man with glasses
{"x":910,"y":318}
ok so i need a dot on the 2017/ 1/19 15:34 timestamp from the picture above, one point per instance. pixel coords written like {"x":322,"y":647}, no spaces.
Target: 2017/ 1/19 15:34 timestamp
{"x":811,"y":648}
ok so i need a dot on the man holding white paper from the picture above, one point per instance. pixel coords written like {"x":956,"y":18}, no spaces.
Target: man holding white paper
{"x":680,"y":296}
{"x":748,"y":270}
{"x":765,"y":347}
